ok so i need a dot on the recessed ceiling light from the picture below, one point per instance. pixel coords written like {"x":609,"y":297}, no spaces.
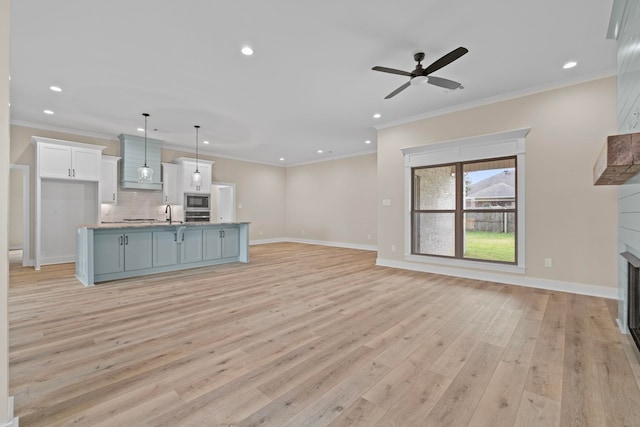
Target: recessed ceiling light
{"x":282,"y":159}
{"x":48,"y":112}
{"x":140,"y":130}
{"x":320,"y":151}
{"x":367,"y":142}
{"x":377,"y":116}
{"x":205,"y":142}
{"x":569,"y":64}
{"x":247,"y":51}
{"x":55,"y":88}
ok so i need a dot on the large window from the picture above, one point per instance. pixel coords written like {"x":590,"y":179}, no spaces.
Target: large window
{"x":466,"y":210}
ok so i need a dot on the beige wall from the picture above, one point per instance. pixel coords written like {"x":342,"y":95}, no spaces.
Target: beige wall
{"x":333,"y":201}
{"x":567,"y":218}
{"x":259,"y":188}
{"x":4,"y":211}
{"x":260,"y":196}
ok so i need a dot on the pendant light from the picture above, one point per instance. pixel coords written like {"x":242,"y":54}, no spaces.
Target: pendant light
{"x":196,"y":176}
{"x":145,"y":173}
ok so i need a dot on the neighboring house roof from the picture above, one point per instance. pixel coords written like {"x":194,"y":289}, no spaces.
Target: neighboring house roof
{"x":501,"y":185}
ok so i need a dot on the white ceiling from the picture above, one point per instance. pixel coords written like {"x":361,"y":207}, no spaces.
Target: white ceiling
{"x":309,"y":84}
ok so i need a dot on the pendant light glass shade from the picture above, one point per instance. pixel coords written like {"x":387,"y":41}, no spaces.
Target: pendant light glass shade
{"x":196,"y":176}
{"x":145,"y":173}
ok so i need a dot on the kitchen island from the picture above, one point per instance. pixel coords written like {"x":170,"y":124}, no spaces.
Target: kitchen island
{"x":119,"y":250}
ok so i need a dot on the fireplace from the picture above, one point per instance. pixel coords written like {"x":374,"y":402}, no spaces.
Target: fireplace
{"x":633,"y":296}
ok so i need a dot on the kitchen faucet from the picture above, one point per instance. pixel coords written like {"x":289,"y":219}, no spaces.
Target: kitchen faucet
{"x":168,"y":209}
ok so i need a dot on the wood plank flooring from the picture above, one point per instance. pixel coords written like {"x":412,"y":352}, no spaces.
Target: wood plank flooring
{"x":308,"y":335}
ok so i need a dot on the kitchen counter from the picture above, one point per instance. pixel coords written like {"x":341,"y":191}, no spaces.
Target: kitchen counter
{"x":111,"y":251}
{"x":136,"y":224}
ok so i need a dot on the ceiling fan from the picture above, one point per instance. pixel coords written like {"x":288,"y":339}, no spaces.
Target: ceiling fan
{"x":421,"y":75}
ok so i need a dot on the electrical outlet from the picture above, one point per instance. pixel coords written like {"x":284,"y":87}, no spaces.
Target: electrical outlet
{"x":393,"y":248}
{"x":302,"y":231}
{"x":368,"y":236}
{"x":548,"y":262}
{"x":261,"y":232}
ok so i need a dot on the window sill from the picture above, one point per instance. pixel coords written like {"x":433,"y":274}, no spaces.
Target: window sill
{"x":461,"y":263}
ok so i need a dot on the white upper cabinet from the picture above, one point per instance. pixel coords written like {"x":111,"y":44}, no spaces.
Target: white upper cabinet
{"x":171,"y":182}
{"x":109,"y":180}
{"x":188,"y":167}
{"x":68,"y":160}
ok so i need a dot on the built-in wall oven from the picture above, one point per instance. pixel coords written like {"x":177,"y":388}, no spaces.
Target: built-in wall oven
{"x":197,"y":208}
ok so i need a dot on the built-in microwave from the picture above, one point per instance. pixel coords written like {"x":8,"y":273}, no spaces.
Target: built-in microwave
{"x":196,"y":201}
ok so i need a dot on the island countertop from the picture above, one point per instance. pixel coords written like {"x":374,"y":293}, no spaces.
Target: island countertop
{"x":136,"y":224}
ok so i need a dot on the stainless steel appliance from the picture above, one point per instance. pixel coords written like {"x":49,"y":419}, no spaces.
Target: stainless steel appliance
{"x":197,"y":216}
{"x":197,"y":208}
{"x":196,"y":201}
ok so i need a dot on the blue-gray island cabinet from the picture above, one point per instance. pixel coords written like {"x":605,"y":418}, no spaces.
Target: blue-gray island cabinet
{"x":116,"y":251}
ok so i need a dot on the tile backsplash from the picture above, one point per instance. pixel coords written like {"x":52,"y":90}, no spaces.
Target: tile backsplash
{"x":137,"y":204}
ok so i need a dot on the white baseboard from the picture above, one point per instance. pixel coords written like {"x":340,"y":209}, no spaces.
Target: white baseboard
{"x":622,"y":327}
{"x":63,"y":259}
{"x":334,"y":244}
{"x":315,"y":242}
{"x":13,"y":421}
{"x":509,"y":279}
{"x":267,"y":241}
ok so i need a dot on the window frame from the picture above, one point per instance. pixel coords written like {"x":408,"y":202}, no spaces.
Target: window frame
{"x":460,"y":210}
{"x":475,"y":148}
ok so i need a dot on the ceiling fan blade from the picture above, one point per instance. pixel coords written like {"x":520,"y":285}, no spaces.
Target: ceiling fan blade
{"x":397,"y":91}
{"x":445,"y":60}
{"x":445,"y":83}
{"x":392,"y":71}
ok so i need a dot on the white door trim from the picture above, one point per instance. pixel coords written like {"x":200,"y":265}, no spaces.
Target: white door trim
{"x":233,"y":197}
{"x":27,"y":260}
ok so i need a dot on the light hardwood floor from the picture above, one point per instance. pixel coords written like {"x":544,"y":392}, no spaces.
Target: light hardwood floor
{"x":313,"y":336}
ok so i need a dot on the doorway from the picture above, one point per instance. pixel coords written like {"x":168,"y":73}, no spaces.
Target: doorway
{"x":223,"y":202}
{"x":20,"y":213}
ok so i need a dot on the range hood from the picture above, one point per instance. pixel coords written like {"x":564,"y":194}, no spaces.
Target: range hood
{"x":619,"y":160}
{"x":132,"y":152}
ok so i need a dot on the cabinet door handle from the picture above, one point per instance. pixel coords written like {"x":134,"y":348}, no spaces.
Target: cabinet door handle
{"x":74,"y":173}
{"x":69,"y":172}
{"x":120,"y":240}
{"x":175,"y":237}
{"x":222,"y":233}
{"x":114,"y":197}
{"x":126,"y":240}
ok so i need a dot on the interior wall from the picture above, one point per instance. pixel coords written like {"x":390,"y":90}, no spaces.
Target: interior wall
{"x":333,"y":201}
{"x":22,"y":151}
{"x":260,"y":192}
{"x":568,"y":219}
{"x":66,"y":206}
{"x":16,"y":214}
{"x":5,"y":413}
{"x":628,"y":109}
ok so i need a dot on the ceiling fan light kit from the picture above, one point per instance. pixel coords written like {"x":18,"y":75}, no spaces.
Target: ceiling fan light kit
{"x":419,"y":80}
{"x":420,"y":76}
